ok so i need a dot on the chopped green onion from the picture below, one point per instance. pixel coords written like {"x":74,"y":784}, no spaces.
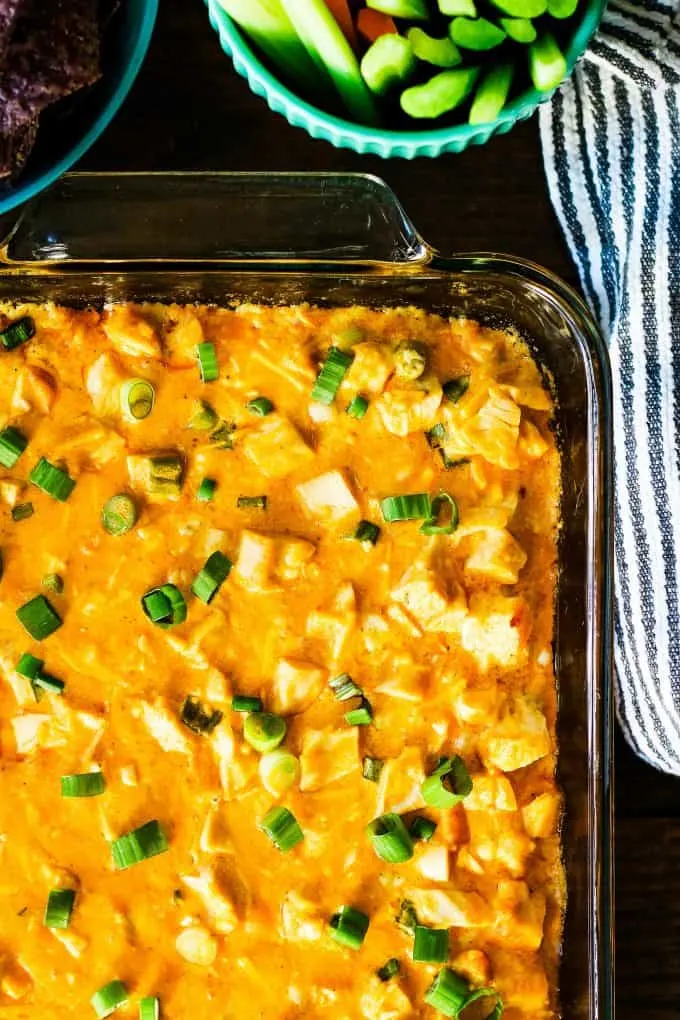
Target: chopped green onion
{"x":39,"y":618}
{"x":211,"y":577}
{"x":410,"y":360}
{"x":165,"y":606}
{"x":206,"y":490}
{"x":281,"y":826}
{"x":344,"y":688}
{"x":436,"y":436}
{"x":198,"y":718}
{"x":264,"y":731}
{"x":260,"y":405}
{"x":109,"y":998}
{"x":207,"y":362}
{"x":17,"y":333}
{"x":367,"y":533}
{"x":22,"y":511}
{"x":223,"y":436}
{"x":448,"y":785}
{"x":148,"y":840}
{"x":84,"y":784}
{"x":407,"y":919}
{"x":52,"y":480}
{"x":371,"y":768}
{"x":54,"y":583}
{"x":388,"y":970}
{"x":349,"y":336}
{"x":451,"y":994}
{"x":119,"y":514}
{"x":456,"y":388}
{"x":203,"y":417}
{"x":137,"y":398}
{"x":150,"y":1008}
{"x":349,"y":927}
{"x":417,"y":506}
{"x":422,"y":828}
{"x":361,"y":716}
{"x":331,"y":375}
{"x":12,"y":445}
{"x":32,"y":668}
{"x":29,"y":666}
{"x":357,"y":407}
{"x":59,"y":908}
{"x":165,"y":475}
{"x":435,"y":525}
{"x":279,"y":770}
{"x":430,"y":945}
{"x":390,"y":838}
{"x":46,"y":682}
{"x":243,"y":703}
{"x":251,"y":502}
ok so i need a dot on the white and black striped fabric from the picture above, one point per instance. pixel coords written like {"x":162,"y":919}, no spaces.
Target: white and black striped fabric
{"x":611,"y":146}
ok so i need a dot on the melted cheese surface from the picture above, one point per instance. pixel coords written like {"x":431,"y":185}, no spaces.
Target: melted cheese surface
{"x":448,"y":636}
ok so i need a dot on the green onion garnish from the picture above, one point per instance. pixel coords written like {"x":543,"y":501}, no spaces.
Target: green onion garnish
{"x":371,"y":768}
{"x":388,"y":970}
{"x":407,"y":919}
{"x":137,"y":398}
{"x":29,"y":666}
{"x":109,"y":998}
{"x":251,"y":502}
{"x":361,"y":716}
{"x":165,"y":475}
{"x":53,"y":583}
{"x":344,"y":688}
{"x":150,"y":1008}
{"x":32,"y":669}
{"x":52,"y":480}
{"x":46,"y":682}
{"x":223,"y":436}
{"x":207,"y":362}
{"x":203,"y":417}
{"x":264,"y":731}
{"x":422,"y":828}
{"x":211,"y":577}
{"x":436,"y":436}
{"x":417,"y":506}
{"x":119,"y":514}
{"x":367,"y":533}
{"x":206,"y":490}
{"x":430,"y":945}
{"x":22,"y":511}
{"x":448,"y":784}
{"x":165,"y":606}
{"x":441,"y":525}
{"x":17,"y":333}
{"x":349,"y":926}
{"x":59,"y":908}
{"x":391,"y":839}
{"x":282,"y":827}
{"x":260,"y":405}
{"x":454,"y":389}
{"x":357,"y":407}
{"x":12,"y":445}
{"x":148,"y":840}
{"x":197,"y":718}
{"x":39,"y":618}
{"x":83,"y":784}
{"x":242,"y":703}
{"x":451,"y":994}
{"x":331,"y":375}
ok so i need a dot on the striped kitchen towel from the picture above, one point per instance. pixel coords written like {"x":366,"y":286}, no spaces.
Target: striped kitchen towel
{"x":611,"y":146}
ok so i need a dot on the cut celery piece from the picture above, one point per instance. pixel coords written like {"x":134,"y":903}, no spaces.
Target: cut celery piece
{"x":547,"y":65}
{"x":388,"y":62}
{"x":476,"y":34}
{"x":492,"y":94}
{"x":520,"y":30}
{"x":562,"y":8}
{"x":458,"y":8}
{"x":521,"y":8}
{"x":440,"y":94}
{"x":440,"y":52}
{"x":413,"y":10}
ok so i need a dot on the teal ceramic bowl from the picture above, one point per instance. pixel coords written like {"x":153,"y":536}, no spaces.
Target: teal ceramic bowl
{"x":405,"y":144}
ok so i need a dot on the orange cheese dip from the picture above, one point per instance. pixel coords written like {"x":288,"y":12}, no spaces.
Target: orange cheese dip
{"x":442,"y":625}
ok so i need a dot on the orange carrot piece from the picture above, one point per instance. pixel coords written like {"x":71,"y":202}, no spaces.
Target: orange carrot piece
{"x":372,"y":24}
{"x":342,"y":14}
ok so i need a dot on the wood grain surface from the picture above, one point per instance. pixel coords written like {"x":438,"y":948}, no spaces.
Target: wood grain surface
{"x":189,"y":111}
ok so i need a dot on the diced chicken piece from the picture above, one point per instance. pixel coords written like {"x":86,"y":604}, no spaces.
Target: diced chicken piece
{"x":31,"y":732}
{"x":496,"y":631}
{"x":103,"y":381}
{"x":321,"y":414}
{"x":129,"y":776}
{"x":370,"y":370}
{"x":541,"y":816}
{"x":301,"y":920}
{"x":406,"y":680}
{"x":452,"y":909}
{"x":400,"y":783}
{"x":196,"y":945}
{"x":385,"y":1001}
{"x":476,"y":706}
{"x":163,"y":725}
{"x":522,"y":983}
{"x":535,"y":397}
{"x":276,"y":448}
{"x":72,"y":943}
{"x":474,"y":965}
{"x":497,"y":555}
{"x":333,"y":630}
{"x":433,"y":862}
{"x":36,"y":388}
{"x":293,"y":555}
{"x":519,"y":738}
{"x":255,"y":560}
{"x":328,"y":498}
{"x":223,"y":748}
{"x":328,"y":755}
{"x":531,"y":442}
{"x":219,"y":908}
{"x":497,"y":837}
{"x":468,"y":862}
{"x":183,"y":337}
{"x":215,"y":837}
{"x":20,"y":685}
{"x":295,"y":686}
{"x":491,"y":793}
{"x":436,"y":606}
{"x":130,"y":333}
{"x":375,"y":631}
{"x":497,"y":429}
{"x":405,"y":409}
{"x":519,"y":916}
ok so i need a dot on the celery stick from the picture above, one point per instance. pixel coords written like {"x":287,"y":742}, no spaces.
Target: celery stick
{"x":492,"y":93}
{"x":387,"y":62}
{"x":440,"y":94}
{"x":458,"y":8}
{"x":440,"y":52}
{"x":413,"y":10}
{"x":520,"y":30}
{"x":521,"y":8}
{"x":547,"y":65}
{"x":327,"y":46}
{"x":476,"y":34}
{"x":562,"y":8}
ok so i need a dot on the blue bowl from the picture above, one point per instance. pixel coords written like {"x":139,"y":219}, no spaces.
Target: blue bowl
{"x":72,"y":126}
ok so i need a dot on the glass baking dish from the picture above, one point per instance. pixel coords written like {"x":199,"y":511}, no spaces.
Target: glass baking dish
{"x":342,"y":239}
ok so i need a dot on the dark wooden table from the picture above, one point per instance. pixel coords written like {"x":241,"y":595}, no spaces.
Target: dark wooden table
{"x":189,"y":111}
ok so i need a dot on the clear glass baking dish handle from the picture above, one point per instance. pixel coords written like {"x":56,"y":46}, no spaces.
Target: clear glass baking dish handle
{"x":214,"y":217}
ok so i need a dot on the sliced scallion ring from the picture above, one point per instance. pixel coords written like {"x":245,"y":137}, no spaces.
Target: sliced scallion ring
{"x":150,"y":1008}
{"x":264,"y":731}
{"x":39,"y":618}
{"x":165,"y":606}
{"x":147,"y":841}
{"x":407,"y":919}
{"x":450,"y":994}
{"x":260,"y":405}
{"x":456,"y":388}
{"x":211,"y":577}
{"x":388,"y":970}
{"x":357,"y":407}
{"x":137,"y":397}
{"x":367,"y":533}
{"x":198,"y":718}
{"x":282,"y":828}
{"x":203,"y":417}
{"x":83,"y":784}
{"x":207,"y":362}
{"x":448,"y":785}
{"x":417,"y":506}
{"x":18,"y":332}
{"x":430,"y":945}
{"x":12,"y":445}
{"x":46,"y":682}
{"x":360,"y":716}
{"x":59,"y":908}
{"x":279,"y":770}
{"x":371,"y":768}
{"x":251,"y":502}
{"x":438,"y":523}
{"x":243,"y":703}
{"x":390,"y":838}
{"x":422,"y":828}
{"x":53,"y":480}
{"x":206,"y":490}
{"x":348,"y":926}
{"x":22,"y":511}
{"x":331,"y":375}
{"x":344,"y":688}
{"x":119,"y":514}
{"x":109,"y":998}
{"x":53,"y":583}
